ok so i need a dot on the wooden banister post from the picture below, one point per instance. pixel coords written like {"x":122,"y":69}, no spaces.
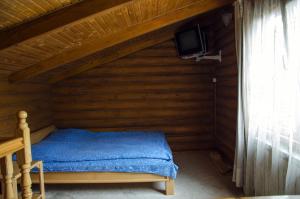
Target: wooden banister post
{"x":7,"y":173}
{"x":24,"y":157}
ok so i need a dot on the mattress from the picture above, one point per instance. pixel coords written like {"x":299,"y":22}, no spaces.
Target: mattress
{"x":76,"y":150}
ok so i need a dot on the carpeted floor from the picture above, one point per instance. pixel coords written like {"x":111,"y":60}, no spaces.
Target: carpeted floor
{"x":197,"y":179}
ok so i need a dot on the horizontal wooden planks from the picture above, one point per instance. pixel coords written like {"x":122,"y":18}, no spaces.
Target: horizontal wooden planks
{"x":165,"y":95}
{"x":32,"y":97}
{"x":133,"y":113}
{"x":133,"y":105}
{"x":132,"y":122}
{"x":226,"y":90}
{"x":117,"y":52}
{"x":146,"y":70}
{"x":152,"y":52}
{"x":142,"y":92}
{"x":19,"y":11}
{"x":52,"y":20}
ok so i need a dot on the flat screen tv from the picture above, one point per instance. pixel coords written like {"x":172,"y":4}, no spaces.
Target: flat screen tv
{"x":191,"y":41}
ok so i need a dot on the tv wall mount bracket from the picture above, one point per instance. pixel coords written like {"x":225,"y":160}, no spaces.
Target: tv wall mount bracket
{"x":199,"y":56}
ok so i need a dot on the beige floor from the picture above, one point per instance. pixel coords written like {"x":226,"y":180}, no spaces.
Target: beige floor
{"x":197,"y":179}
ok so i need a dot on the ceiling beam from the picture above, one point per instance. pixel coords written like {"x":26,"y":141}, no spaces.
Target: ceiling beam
{"x":117,"y":38}
{"x":55,"y":20}
{"x":134,"y":45}
{"x":115,"y":53}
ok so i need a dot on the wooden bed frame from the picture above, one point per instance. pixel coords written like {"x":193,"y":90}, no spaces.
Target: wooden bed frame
{"x":95,"y":177}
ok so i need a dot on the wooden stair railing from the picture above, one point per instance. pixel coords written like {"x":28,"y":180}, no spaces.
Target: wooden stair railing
{"x":22,"y":147}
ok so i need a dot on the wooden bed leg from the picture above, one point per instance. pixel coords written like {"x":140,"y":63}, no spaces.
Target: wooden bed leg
{"x":41,"y":178}
{"x":170,"y":185}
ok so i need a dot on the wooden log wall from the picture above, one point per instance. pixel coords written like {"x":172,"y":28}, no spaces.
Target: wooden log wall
{"x":226,"y":89}
{"x":150,"y":90}
{"x":33,"y":97}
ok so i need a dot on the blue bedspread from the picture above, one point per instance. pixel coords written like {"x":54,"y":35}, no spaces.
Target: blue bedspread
{"x":77,"y":150}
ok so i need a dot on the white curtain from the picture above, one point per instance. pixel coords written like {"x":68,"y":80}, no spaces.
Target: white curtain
{"x":238,"y":174}
{"x":268,"y":133}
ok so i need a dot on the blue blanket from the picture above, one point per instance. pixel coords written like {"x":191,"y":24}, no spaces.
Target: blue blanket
{"x":82,"y":150}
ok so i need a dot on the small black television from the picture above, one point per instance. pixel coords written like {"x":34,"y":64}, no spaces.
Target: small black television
{"x":191,"y":41}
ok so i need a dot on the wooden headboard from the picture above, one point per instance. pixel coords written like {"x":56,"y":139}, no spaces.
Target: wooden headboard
{"x":37,"y":136}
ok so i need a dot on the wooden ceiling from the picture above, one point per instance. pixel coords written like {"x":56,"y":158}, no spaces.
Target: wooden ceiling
{"x":74,"y":33}
{"x":14,"y":12}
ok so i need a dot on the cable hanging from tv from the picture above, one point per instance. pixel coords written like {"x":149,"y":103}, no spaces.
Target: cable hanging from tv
{"x":192,"y":43}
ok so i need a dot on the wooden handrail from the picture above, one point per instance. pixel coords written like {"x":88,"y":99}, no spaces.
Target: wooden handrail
{"x":22,"y":146}
{"x":11,"y":146}
{"x":7,"y":148}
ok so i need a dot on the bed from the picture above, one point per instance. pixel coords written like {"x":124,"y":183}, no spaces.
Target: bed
{"x":82,"y":156}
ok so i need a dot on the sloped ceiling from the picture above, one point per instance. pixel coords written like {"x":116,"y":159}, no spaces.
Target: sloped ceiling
{"x":76,"y":32}
{"x":17,"y":12}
